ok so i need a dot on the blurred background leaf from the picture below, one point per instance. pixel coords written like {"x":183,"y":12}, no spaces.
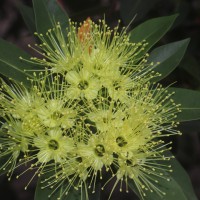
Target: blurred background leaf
{"x":190,"y":103}
{"x":10,"y":64}
{"x":152,"y":30}
{"x":168,"y":56}
{"x":47,"y":14}
{"x":28,"y":17}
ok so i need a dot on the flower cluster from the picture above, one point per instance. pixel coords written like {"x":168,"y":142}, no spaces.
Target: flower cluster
{"x":92,"y":113}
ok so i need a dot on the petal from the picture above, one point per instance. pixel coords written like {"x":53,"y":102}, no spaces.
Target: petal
{"x":73,"y":77}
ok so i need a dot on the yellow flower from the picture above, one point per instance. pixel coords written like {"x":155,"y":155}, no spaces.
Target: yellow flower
{"x":143,"y":167}
{"x":29,"y":115}
{"x":61,"y":51}
{"x":18,"y":101}
{"x":93,"y":59}
{"x":54,"y":113}
{"x":95,"y":153}
{"x":94,"y":108}
{"x":13,"y":141}
{"x":106,"y":116}
{"x":82,"y":84}
{"x":154,"y":107}
{"x":53,"y":146}
{"x":119,"y":86}
{"x":71,"y":173}
{"x":96,"y":48}
{"x":129,"y":138}
{"x":136,"y":143}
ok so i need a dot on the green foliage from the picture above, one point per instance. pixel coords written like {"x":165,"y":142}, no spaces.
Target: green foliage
{"x":28,"y":16}
{"x":152,"y":30}
{"x":190,"y":104}
{"x":10,"y":64}
{"x":168,"y":56}
{"x":47,"y":13}
{"x":41,"y":194}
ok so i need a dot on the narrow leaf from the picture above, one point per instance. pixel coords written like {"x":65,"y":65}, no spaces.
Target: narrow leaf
{"x":168,"y":56}
{"x":47,"y":13}
{"x":181,"y":177}
{"x":10,"y":64}
{"x":190,"y":103}
{"x":58,"y":12}
{"x":41,"y":194}
{"x":152,"y":30}
{"x":43,"y":19}
{"x":28,"y":16}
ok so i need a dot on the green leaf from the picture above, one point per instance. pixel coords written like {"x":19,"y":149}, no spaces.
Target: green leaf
{"x":139,"y":8}
{"x":168,"y":56}
{"x":43,"y":18}
{"x":58,"y":12}
{"x":152,"y":30}
{"x":28,"y":16}
{"x":179,"y":186}
{"x":10,"y":64}
{"x":47,"y":13}
{"x":180,"y":176}
{"x":190,"y":103}
{"x":41,"y":194}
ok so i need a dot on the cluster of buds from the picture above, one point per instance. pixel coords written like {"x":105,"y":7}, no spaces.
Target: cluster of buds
{"x":91,"y":113}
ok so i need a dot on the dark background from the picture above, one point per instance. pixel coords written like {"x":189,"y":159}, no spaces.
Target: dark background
{"x":187,"y":75}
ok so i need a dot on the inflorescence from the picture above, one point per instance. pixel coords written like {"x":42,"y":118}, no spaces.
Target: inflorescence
{"x":91,"y":114}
